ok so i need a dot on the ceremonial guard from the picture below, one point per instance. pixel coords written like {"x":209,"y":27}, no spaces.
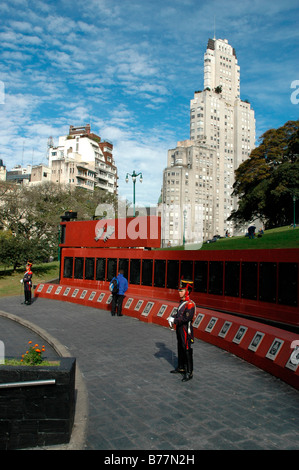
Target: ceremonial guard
{"x":27,"y":281}
{"x":184,"y":331}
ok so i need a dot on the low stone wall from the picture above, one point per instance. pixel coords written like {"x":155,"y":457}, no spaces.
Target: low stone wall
{"x":40,"y":414}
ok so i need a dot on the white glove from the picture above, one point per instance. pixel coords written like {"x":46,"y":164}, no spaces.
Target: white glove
{"x":21,"y":281}
{"x":171,"y":321}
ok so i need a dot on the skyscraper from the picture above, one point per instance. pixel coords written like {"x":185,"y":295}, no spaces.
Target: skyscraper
{"x":200,"y":171}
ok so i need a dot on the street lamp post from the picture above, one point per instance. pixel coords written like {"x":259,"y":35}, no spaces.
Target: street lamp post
{"x":294,"y":201}
{"x":134,"y":178}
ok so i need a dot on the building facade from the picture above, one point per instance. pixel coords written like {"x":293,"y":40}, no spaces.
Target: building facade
{"x":82,"y":159}
{"x":2,"y":170}
{"x":200,"y":171}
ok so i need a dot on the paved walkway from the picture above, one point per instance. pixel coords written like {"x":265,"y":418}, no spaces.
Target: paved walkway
{"x":131,"y":399}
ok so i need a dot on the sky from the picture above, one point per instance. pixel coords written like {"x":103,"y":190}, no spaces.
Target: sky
{"x":130,"y":68}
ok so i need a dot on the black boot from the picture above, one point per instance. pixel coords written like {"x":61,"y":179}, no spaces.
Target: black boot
{"x":178,"y":370}
{"x":189,"y":369}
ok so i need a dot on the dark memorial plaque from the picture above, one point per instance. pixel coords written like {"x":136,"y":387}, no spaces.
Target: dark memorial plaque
{"x":172,"y":274}
{"x":216,"y":277}
{"x":111,"y":268}
{"x":135,"y":271}
{"x":288,"y":284}
{"x":232,"y":278}
{"x":123,"y":263}
{"x":68,"y":267}
{"x":100,"y":269}
{"x":200,"y":276}
{"x":249,"y":280}
{"x":147,"y":272}
{"x":186,"y":269}
{"x":159,"y":273}
{"x":267,"y":282}
{"x":78,"y":271}
{"x":89,"y":268}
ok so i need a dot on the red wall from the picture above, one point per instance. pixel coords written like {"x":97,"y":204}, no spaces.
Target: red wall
{"x":273,"y":311}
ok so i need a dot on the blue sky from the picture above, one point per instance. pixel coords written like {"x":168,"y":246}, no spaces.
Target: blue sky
{"x":130,"y":69}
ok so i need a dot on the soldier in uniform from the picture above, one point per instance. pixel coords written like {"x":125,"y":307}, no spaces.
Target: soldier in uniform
{"x":27,"y":283}
{"x":184,"y":331}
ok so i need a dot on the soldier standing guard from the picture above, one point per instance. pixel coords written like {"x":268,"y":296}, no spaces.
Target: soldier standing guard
{"x":184,"y":331}
{"x":27,"y":283}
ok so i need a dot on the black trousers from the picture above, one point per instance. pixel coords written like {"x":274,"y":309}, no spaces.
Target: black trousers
{"x":27,"y":294}
{"x":185,"y":353}
{"x":116,"y":304}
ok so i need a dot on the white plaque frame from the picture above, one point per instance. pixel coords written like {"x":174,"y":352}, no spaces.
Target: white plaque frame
{"x":138,"y":305}
{"x":198,"y":320}
{"x":100,"y":298}
{"x":174,"y":311}
{"x":240,"y":334}
{"x":74,"y":294}
{"x":83,"y":294}
{"x":147,"y":309}
{"x":256,"y":341}
{"x":162,"y":310}
{"x":92,"y":295}
{"x":49,"y":290}
{"x":211,"y":324}
{"x":58,"y":290}
{"x":67,"y":290}
{"x":274,"y":349}
{"x":40,"y":287}
{"x":225,"y":329}
{"x":129,"y":302}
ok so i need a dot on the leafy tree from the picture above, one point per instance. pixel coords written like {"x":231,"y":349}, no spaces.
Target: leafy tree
{"x":30,"y":217}
{"x":267,"y":182}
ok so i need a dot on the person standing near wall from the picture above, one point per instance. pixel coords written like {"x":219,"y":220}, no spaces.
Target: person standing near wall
{"x":184,"y":331}
{"x":119,"y":293}
{"x":27,"y":281}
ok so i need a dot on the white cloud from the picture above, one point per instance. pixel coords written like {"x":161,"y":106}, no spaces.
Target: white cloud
{"x":130,"y":68}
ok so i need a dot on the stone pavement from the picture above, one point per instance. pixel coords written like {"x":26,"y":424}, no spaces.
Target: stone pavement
{"x":127,"y":398}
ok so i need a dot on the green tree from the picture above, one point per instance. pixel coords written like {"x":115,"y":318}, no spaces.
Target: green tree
{"x":31,"y":217}
{"x":267,"y":182}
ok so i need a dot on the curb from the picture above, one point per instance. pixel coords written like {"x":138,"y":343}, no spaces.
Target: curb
{"x":78,"y":437}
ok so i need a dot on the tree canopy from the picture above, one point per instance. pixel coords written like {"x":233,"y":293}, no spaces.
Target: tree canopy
{"x":267,"y":182}
{"x":30,"y":218}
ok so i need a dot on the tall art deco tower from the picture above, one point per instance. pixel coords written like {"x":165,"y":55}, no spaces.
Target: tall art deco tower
{"x":198,"y":180}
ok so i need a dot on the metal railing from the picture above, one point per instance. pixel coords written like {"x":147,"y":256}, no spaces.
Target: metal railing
{"x":32,"y":383}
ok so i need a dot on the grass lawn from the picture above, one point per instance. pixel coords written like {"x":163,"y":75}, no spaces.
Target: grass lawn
{"x":10,"y":280}
{"x":282,"y":237}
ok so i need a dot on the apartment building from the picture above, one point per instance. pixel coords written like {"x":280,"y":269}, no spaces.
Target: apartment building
{"x":82,"y":159}
{"x":2,"y":170}
{"x":199,"y":176}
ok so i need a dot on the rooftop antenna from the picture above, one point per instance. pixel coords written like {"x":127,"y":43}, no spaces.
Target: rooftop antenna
{"x":214,"y":29}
